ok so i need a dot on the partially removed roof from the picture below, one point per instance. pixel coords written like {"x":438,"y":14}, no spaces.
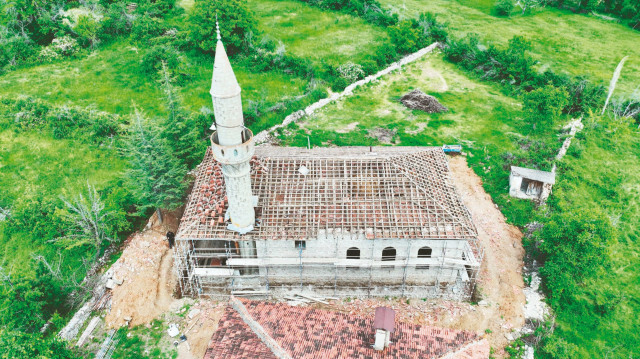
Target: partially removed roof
{"x":370,"y":192}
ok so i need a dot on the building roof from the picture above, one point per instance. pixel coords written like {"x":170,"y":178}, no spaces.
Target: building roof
{"x":536,"y":175}
{"x":301,"y":332}
{"x":356,"y":192}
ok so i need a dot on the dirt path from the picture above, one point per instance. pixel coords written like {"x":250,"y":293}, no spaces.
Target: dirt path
{"x":501,"y":275}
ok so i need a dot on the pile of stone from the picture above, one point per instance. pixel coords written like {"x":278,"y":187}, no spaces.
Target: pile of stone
{"x":418,"y":100}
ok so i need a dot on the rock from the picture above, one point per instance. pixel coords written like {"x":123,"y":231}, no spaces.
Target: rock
{"x":483,"y":303}
{"x":110,"y":284}
{"x":509,"y":337}
{"x":193,"y":313}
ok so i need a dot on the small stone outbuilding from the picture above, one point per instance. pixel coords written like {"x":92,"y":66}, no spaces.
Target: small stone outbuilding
{"x":532,"y":184}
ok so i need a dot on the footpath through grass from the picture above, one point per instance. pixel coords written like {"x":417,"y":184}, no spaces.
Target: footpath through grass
{"x":568,"y":43}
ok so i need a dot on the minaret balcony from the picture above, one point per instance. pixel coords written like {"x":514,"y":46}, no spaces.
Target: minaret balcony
{"x":235,"y":154}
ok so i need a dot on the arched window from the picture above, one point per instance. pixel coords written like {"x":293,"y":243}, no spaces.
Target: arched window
{"x":389,"y":254}
{"x":424,"y":252}
{"x":353,"y":253}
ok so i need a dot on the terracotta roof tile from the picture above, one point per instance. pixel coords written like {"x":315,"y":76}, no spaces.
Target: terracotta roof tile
{"x":312,"y":333}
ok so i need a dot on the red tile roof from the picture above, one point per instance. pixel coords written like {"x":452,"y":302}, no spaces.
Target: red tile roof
{"x":312,"y":333}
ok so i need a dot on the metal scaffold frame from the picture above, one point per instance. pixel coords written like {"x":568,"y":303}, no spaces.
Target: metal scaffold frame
{"x":368,"y":194}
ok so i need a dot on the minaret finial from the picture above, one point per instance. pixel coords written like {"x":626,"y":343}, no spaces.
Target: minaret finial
{"x":217,"y":28}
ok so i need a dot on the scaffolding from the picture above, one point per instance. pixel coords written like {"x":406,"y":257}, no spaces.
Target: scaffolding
{"x":331,"y":196}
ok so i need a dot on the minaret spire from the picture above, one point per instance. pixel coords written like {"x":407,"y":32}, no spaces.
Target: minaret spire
{"x":218,"y":28}
{"x":232,"y":143}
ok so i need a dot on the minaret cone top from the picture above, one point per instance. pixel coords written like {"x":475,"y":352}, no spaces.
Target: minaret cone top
{"x":223,"y":83}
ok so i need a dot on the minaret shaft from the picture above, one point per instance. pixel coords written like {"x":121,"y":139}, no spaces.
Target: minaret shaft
{"x":232,"y":143}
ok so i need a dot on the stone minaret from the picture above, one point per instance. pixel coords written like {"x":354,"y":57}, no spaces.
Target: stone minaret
{"x":232,"y":143}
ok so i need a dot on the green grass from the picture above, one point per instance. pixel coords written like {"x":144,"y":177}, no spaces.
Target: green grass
{"x":34,"y":162}
{"x":567,"y":43}
{"x":318,"y":35}
{"x":479,"y":114}
{"x":111,"y":80}
{"x":603,"y":171}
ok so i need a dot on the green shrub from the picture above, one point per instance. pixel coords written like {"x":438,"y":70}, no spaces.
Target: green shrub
{"x":503,"y":7}
{"x":87,"y":29}
{"x":147,"y":27}
{"x":407,"y":37}
{"x":116,"y":21}
{"x":542,"y":107}
{"x":555,"y":347}
{"x":174,"y":61}
{"x":573,"y":246}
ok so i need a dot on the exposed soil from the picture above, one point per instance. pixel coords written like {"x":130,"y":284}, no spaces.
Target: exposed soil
{"x":383,"y":135}
{"x":146,"y":271}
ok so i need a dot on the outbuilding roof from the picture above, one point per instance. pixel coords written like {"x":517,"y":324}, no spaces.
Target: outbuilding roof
{"x":357,"y":192}
{"x":536,"y":175}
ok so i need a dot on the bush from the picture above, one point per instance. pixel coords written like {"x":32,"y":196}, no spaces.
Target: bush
{"x":147,"y":27}
{"x":351,"y":72}
{"x":503,"y":7}
{"x":544,"y":105}
{"x":87,"y":30}
{"x":116,"y":21}
{"x":15,"y":50}
{"x":407,"y":37}
{"x":573,"y":246}
{"x":237,"y":25}
{"x":175,"y":63}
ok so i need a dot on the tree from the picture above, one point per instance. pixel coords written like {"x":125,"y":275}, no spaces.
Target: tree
{"x":17,"y":344}
{"x":544,"y":105}
{"x":237,"y":24}
{"x":573,"y":246}
{"x":87,"y":222}
{"x":155,"y":176}
{"x":87,"y":30}
{"x":180,"y":128}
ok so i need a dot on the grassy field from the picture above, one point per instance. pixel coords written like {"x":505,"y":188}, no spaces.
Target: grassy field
{"x":33,"y":164}
{"x":111,"y":80}
{"x":318,"y":35}
{"x":479,"y":112}
{"x":603,"y":171}
{"x":565,"y":42}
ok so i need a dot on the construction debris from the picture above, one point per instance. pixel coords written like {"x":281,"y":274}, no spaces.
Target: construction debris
{"x":173,"y":330}
{"x":418,"y":100}
{"x":87,"y":332}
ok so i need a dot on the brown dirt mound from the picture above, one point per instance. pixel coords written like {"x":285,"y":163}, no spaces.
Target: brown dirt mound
{"x":146,"y":271}
{"x":418,"y":100}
